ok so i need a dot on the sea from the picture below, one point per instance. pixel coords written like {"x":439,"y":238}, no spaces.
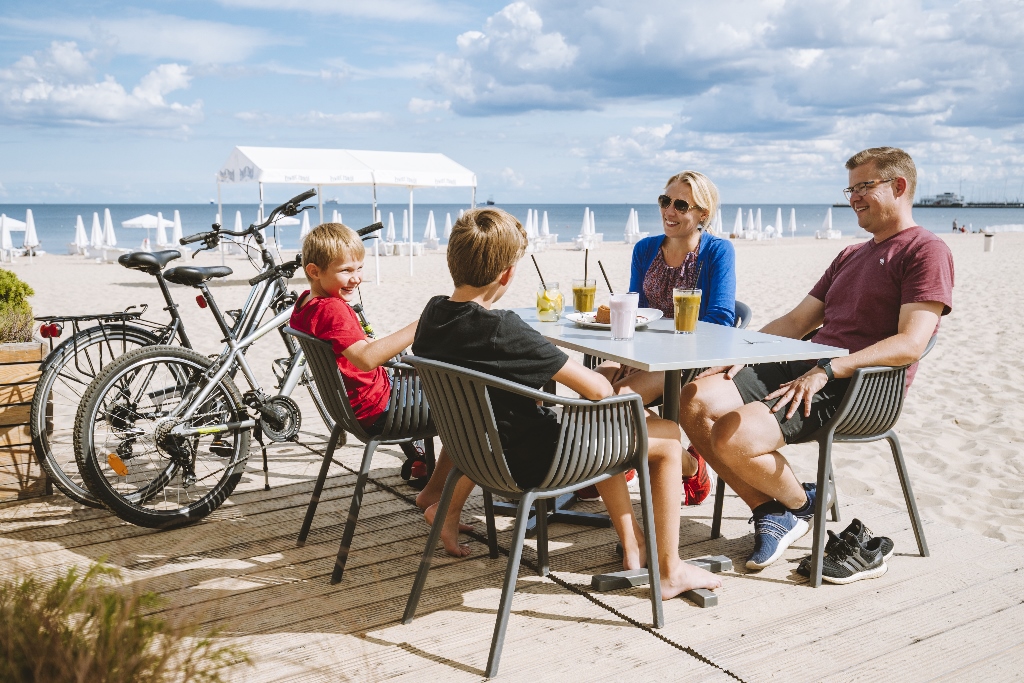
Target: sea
{"x":55,"y":223}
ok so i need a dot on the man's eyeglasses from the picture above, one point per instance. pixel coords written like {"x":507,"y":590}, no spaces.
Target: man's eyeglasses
{"x":680,"y":205}
{"x":861,"y":188}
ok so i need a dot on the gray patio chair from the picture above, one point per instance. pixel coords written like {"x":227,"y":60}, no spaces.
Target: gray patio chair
{"x":598,"y":439}
{"x":868,"y":412}
{"x":408,"y":419}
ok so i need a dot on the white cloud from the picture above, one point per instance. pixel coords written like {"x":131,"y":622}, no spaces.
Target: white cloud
{"x":391,"y":10}
{"x":160,"y":36}
{"x":420,"y":106}
{"x":512,"y":178}
{"x":57,"y":87}
{"x":312,"y":117}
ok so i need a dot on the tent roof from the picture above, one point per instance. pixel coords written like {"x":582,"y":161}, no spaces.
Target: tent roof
{"x":343,"y":167}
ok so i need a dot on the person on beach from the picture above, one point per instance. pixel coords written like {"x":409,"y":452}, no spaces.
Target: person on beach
{"x":881,"y":299}
{"x":332,"y":257}
{"x":685,"y":256}
{"x":463,"y":329}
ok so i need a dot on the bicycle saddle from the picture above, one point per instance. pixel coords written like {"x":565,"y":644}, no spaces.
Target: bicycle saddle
{"x":148,"y":262}
{"x":190,"y":276}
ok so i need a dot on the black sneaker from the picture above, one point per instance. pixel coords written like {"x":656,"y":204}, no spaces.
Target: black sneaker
{"x":863,"y":534}
{"x":850,"y":561}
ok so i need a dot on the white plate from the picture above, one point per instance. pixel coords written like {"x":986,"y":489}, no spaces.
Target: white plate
{"x":643,"y":317}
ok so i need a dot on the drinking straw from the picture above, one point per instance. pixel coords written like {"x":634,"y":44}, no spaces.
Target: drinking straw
{"x":586,"y":259}
{"x":700,"y":264}
{"x":538,"y":272}
{"x":606,"y":280}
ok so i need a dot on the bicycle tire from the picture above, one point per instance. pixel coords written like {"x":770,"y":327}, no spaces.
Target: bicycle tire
{"x":62,"y":383}
{"x":127,"y":406}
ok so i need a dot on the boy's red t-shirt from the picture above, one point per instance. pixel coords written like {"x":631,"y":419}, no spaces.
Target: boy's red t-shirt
{"x":334,"y":320}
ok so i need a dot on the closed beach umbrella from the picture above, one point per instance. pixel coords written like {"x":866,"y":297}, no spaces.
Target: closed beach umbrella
{"x":447,"y":225}
{"x":585,"y":227}
{"x":827,"y":223}
{"x":31,"y":238}
{"x":389,"y":236}
{"x":335,"y":218}
{"x":750,"y":220}
{"x":757,"y":223}
{"x":81,"y":239}
{"x":6,"y":243}
{"x":96,"y":236}
{"x":717,"y":223}
{"x":778,"y":222}
{"x":431,"y":232}
{"x":737,"y":227}
{"x":176,"y":232}
{"x":109,"y":238}
{"x":792,"y":222}
{"x":629,"y":223}
{"x":238,"y":222}
{"x":593,"y":223}
{"x":161,"y":234}
{"x":304,"y":230}
{"x":544,"y":228}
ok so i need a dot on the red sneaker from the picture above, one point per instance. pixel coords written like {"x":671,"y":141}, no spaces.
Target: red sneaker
{"x":698,"y":486}
{"x":589,"y":493}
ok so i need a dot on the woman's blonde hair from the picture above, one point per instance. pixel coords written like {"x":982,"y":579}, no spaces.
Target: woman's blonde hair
{"x":484,"y":243}
{"x":705,"y":194}
{"x":329,"y":241}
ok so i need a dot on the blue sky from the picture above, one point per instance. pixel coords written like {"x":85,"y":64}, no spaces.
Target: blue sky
{"x":546,"y":100}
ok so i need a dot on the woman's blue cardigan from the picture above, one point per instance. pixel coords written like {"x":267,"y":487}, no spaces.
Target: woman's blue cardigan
{"x":717,"y":262}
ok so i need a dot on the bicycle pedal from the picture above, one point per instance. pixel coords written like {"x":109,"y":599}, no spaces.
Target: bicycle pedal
{"x":222,"y":448}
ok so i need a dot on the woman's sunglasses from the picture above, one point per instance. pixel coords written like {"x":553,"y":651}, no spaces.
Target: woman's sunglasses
{"x":680,"y":205}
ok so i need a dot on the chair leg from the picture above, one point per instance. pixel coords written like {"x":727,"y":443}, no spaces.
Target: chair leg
{"x":492,"y":530}
{"x":432,"y":539}
{"x":908,"y":493}
{"x":353,"y":512}
{"x":318,"y":488}
{"x":653,"y":570}
{"x":716,"y":521}
{"x":824,"y":472}
{"x":542,"y":536}
{"x":508,"y":589}
{"x":835,"y":495}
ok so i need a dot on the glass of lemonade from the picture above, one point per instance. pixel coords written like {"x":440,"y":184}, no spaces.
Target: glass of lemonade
{"x":549,"y":303}
{"x":584,"y":292}
{"x":687,"y":309}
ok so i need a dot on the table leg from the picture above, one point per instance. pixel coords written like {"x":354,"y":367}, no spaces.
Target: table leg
{"x":670,"y":405}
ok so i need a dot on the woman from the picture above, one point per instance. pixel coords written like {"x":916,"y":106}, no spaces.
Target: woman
{"x":688,"y":257}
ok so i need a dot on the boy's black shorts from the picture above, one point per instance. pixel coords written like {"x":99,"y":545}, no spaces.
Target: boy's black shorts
{"x":754,"y":382}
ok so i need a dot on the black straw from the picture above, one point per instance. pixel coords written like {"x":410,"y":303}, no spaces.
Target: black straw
{"x":538,"y":272}
{"x":586,"y":261}
{"x":606,"y":280}
{"x":700,"y":264}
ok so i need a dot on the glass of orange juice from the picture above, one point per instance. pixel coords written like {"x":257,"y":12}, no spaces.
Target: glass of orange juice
{"x":687,"y":309}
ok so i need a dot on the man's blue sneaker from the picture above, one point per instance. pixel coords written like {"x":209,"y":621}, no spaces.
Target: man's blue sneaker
{"x":775,"y":529}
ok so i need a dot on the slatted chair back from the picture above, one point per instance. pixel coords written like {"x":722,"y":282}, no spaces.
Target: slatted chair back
{"x":596,"y":437}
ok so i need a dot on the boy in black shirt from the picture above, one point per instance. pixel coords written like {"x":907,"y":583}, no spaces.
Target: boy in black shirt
{"x":464,"y":330}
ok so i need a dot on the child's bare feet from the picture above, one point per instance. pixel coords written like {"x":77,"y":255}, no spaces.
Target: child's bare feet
{"x":634,"y":557}
{"x":684,"y":577}
{"x":431,"y":510}
{"x":450,"y":533}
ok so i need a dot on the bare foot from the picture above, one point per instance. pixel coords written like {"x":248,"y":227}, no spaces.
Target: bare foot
{"x":449,"y":534}
{"x":425,"y":500}
{"x":684,"y":577}
{"x":429,"y":513}
{"x":636,"y":556}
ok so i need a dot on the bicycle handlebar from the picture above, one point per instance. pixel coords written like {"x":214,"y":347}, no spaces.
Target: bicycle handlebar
{"x":287,"y":269}
{"x":367,"y":232}
{"x":289,"y":208}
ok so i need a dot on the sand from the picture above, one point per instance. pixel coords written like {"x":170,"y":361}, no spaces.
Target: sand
{"x":963,"y":424}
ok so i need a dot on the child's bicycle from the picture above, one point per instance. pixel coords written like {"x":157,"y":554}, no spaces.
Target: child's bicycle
{"x":163,"y":433}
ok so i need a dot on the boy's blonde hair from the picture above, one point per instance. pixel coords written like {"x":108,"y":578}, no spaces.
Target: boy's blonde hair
{"x":329,"y":241}
{"x":484,"y":243}
{"x":705,"y":194}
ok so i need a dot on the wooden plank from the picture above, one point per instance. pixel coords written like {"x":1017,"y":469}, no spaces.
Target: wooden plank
{"x":18,"y":414}
{"x":24,"y":352}
{"x":19,"y":373}
{"x":17,"y":393}
{"x":21,"y":476}
{"x":16,"y":435}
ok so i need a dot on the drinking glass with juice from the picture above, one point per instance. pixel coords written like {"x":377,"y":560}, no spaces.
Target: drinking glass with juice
{"x":549,"y":303}
{"x":687,"y":309}
{"x":584,"y":292}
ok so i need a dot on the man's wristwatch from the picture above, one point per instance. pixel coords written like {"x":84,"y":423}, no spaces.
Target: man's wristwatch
{"x":826,"y":365}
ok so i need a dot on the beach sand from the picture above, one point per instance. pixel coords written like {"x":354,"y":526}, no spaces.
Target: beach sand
{"x":962,"y":428}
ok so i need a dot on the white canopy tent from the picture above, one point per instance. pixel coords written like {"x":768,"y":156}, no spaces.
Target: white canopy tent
{"x":320,"y":167}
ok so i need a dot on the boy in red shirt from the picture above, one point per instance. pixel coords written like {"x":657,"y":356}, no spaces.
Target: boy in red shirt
{"x":332,"y":256}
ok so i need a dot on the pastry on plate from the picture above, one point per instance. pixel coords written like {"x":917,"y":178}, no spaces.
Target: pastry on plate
{"x":603,"y":315}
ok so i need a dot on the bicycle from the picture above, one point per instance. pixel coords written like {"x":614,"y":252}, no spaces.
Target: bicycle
{"x":70,"y":367}
{"x":163,"y":433}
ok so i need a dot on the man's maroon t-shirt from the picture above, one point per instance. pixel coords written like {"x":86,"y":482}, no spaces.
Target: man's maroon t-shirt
{"x":334,"y":320}
{"x":867,"y":283}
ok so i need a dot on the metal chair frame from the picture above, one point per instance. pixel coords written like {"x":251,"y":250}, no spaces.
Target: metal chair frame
{"x":598,"y":439}
{"x":407,"y":419}
{"x":868,"y":412}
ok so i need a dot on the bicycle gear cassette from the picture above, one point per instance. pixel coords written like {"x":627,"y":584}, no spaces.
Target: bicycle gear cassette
{"x":289,"y":419}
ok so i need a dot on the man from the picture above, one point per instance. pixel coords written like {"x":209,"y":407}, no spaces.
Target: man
{"x":882,"y":300}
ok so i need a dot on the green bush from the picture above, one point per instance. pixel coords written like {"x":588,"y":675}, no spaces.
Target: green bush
{"x":16,"y":321}
{"x":85,"y":630}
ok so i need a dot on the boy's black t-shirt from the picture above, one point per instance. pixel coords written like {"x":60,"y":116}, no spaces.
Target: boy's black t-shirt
{"x":499,"y":343}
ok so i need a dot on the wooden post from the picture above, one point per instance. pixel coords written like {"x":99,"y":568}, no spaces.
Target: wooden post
{"x":20,"y":473}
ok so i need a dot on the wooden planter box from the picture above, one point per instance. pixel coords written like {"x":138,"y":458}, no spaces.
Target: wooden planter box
{"x":20,"y":473}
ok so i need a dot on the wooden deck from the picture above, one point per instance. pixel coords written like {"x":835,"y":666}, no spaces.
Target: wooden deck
{"x":958,"y":615}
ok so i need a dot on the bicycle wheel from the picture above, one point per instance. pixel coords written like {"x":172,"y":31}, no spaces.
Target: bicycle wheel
{"x":67,"y":372}
{"x":127,"y":454}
